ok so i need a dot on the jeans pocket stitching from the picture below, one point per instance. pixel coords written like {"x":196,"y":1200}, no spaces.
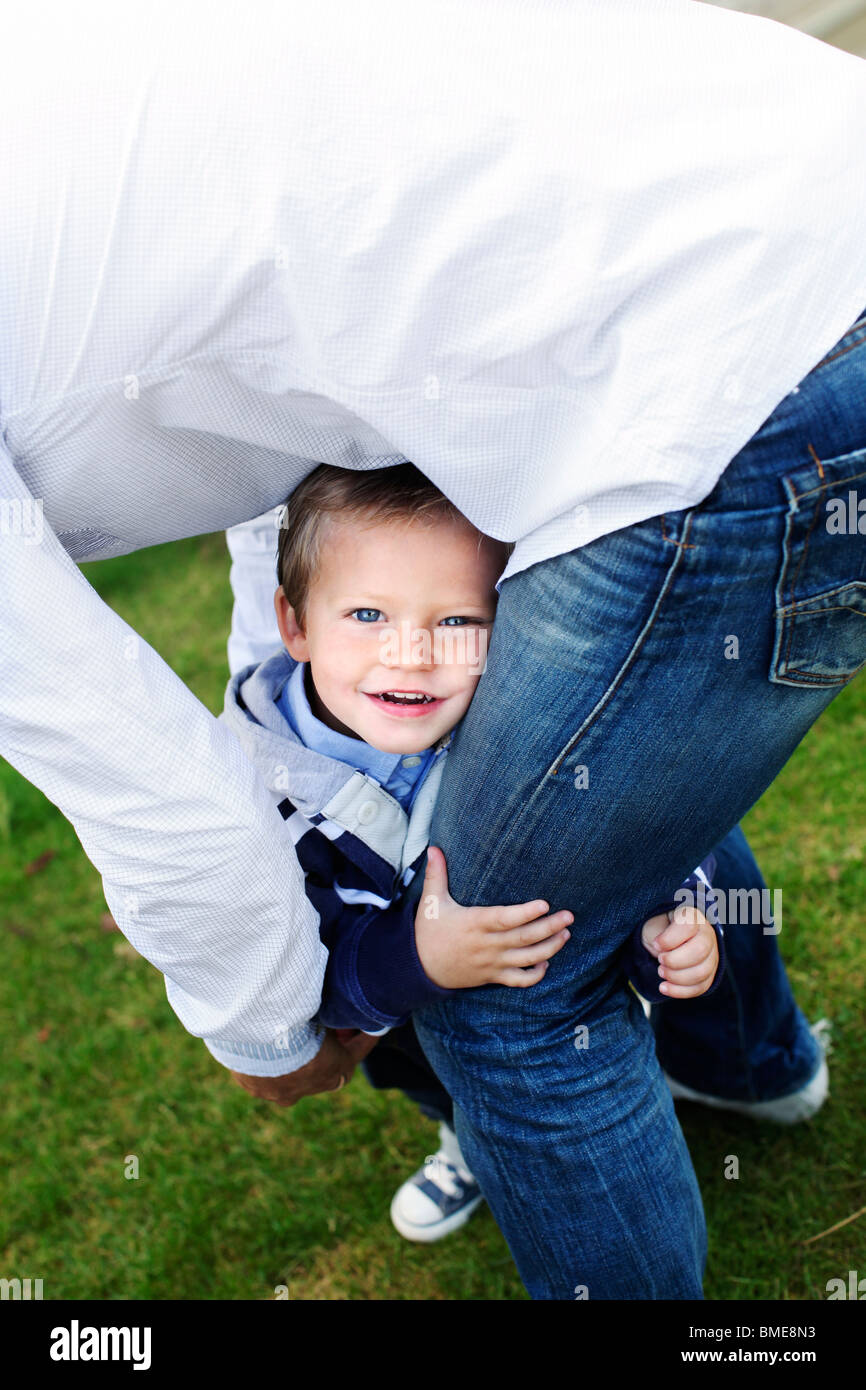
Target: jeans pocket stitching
{"x":808,"y":678}
{"x":800,"y":608}
{"x":796,"y":576}
{"x":797,"y":612}
{"x":825,"y":486}
{"x":785,"y":611}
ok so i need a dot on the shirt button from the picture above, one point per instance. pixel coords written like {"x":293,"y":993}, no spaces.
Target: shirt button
{"x":411,"y":762}
{"x":367,"y":811}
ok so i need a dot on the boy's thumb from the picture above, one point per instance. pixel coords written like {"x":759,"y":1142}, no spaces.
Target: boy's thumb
{"x":436,"y":873}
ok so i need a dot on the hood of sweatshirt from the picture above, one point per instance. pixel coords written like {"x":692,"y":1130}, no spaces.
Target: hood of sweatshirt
{"x":309,"y":779}
{"x":316,"y":784}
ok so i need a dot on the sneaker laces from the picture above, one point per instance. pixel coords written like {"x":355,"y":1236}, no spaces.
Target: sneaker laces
{"x":442,"y":1173}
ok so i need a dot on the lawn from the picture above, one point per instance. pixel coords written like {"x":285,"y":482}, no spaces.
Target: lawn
{"x":234,"y":1198}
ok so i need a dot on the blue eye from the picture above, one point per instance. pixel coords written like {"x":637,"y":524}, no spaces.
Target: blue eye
{"x":367,"y":615}
{"x":455,"y":622}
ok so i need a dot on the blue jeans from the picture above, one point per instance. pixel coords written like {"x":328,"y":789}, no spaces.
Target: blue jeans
{"x":679,"y":662}
{"x":748,"y":1040}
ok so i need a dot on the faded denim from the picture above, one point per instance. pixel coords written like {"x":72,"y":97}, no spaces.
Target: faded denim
{"x":613,"y":658}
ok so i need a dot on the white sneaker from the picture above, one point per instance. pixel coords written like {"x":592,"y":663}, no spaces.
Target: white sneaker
{"x":785,"y":1110}
{"x":440,"y":1197}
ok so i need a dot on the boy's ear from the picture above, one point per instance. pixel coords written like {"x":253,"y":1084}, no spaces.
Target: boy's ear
{"x":293,"y":637}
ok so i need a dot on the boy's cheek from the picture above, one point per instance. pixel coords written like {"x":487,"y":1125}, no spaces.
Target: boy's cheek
{"x":461,"y":705}
{"x":470,"y":681}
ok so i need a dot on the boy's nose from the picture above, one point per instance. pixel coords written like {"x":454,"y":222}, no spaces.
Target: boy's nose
{"x":408,"y":648}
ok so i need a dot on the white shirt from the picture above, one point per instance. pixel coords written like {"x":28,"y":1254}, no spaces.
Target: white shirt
{"x":564,"y":255}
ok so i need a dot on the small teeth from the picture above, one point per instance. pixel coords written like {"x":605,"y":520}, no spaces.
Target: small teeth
{"x":405,"y":698}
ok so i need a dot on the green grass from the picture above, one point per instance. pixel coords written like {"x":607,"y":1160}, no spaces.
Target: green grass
{"x":235,"y":1197}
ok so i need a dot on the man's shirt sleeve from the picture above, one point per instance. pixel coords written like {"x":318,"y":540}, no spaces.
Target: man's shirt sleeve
{"x":164,"y":801}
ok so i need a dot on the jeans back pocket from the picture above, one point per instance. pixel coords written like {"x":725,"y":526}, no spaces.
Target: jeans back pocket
{"x":821,"y":592}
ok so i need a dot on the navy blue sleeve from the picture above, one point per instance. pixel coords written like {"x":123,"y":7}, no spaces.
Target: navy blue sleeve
{"x":374,"y":978}
{"x":642,"y":968}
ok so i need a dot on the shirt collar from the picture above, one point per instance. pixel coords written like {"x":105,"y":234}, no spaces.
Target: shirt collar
{"x":314,"y":734}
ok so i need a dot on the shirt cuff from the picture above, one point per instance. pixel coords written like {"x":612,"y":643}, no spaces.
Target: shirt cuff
{"x":263,"y":1059}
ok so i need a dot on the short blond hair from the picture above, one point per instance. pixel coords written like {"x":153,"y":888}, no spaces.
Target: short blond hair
{"x":399,"y":493}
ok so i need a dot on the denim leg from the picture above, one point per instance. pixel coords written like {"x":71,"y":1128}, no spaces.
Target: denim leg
{"x":571,"y":1132}
{"x":640,"y":695}
{"x":748,"y":1040}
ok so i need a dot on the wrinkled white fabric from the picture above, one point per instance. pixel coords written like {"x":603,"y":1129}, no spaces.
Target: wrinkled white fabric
{"x":564,"y":255}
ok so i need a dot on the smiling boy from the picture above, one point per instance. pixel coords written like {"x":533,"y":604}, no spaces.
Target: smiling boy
{"x":373,"y":669}
{"x":385,"y":606}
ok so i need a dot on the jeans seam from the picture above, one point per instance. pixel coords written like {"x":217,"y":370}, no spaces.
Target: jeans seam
{"x":630,"y":659}
{"x":670,"y":540}
{"x":796,"y":576}
{"x":822,"y":487}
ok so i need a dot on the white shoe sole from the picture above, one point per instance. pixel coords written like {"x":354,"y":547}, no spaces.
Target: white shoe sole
{"x":786,"y":1110}
{"x":426,"y":1235}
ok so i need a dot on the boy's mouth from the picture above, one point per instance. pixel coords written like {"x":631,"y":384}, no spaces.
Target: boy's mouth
{"x":404,"y":701}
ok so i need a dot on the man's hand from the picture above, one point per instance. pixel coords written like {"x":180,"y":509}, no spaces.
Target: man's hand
{"x":329,"y":1070}
{"x":684,"y":944}
{"x":460,"y":947}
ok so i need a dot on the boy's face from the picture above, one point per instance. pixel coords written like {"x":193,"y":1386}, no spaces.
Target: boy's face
{"x":396,"y":609}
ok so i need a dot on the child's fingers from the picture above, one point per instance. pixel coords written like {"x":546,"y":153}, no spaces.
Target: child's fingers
{"x":531,"y":955}
{"x":436,"y":866}
{"x":539,"y":929}
{"x":677,"y":932}
{"x":653,"y":928}
{"x":436,"y":872}
{"x":690,"y":975}
{"x":521,"y":979}
{"x":515,"y":915}
{"x":673,"y":991}
{"x":692,"y":952}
